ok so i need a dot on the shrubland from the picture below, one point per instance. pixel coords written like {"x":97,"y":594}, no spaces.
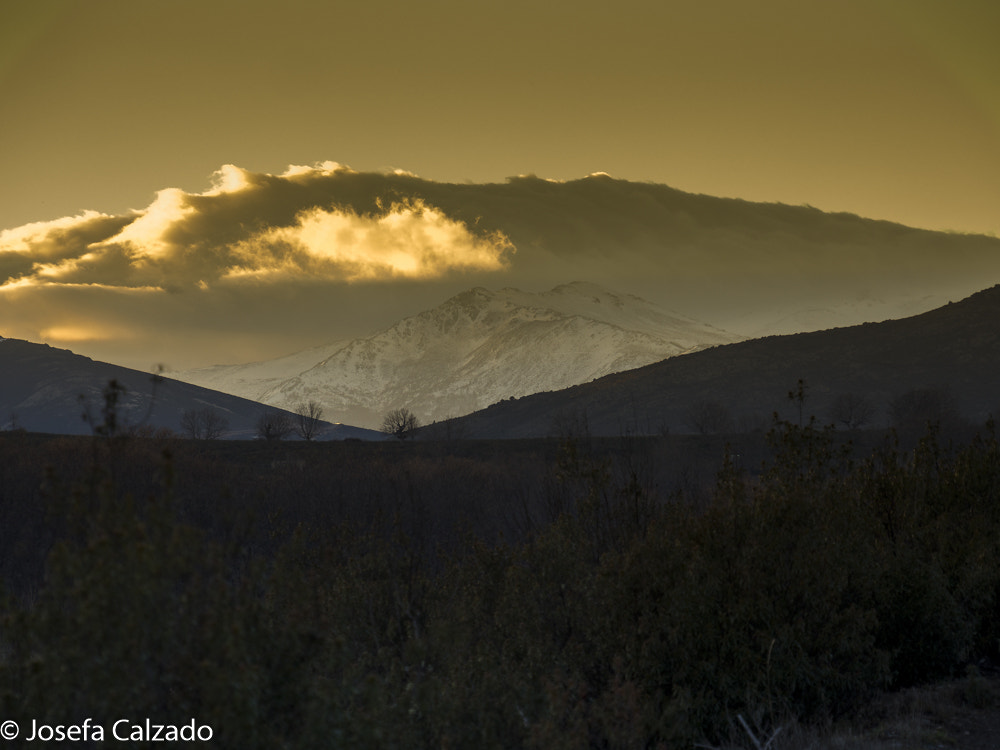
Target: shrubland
{"x":570,"y":593}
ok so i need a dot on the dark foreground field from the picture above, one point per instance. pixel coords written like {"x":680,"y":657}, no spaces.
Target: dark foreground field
{"x":618,"y":593}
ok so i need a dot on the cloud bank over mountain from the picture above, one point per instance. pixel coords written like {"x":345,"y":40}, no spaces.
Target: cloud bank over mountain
{"x":223,"y":235}
{"x":259,"y":265}
{"x":249,"y":239}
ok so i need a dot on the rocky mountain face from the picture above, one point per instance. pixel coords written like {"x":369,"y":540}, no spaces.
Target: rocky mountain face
{"x":477,"y":348}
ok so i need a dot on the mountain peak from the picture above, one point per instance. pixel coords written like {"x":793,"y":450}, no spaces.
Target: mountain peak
{"x":580,"y":287}
{"x":479,"y":347}
{"x":591,"y":291}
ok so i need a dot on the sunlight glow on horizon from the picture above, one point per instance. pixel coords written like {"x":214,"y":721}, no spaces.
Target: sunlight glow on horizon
{"x":73,"y":334}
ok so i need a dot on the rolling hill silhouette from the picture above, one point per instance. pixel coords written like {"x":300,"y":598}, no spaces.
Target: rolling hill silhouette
{"x":43,"y":389}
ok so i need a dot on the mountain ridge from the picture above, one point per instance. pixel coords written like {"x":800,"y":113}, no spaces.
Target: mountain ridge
{"x":955,"y":347}
{"x":477,"y":347}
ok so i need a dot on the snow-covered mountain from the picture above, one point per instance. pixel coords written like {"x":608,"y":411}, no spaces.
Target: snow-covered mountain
{"x":475,"y":349}
{"x":257,"y":378}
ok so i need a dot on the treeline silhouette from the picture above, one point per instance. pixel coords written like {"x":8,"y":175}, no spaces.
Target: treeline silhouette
{"x":561,"y":593}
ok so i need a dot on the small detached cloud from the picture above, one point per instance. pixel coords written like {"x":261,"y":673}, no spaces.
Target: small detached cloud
{"x":249,"y":226}
{"x":409,"y":241}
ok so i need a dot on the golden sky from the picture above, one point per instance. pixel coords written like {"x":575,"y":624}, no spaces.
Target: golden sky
{"x":886,"y":108}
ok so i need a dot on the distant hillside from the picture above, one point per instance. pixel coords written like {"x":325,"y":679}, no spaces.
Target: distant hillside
{"x":954,"y":348}
{"x":43,"y":389}
{"x":474,"y":349}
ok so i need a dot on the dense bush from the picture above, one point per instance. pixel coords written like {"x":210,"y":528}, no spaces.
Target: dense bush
{"x":619,"y":615}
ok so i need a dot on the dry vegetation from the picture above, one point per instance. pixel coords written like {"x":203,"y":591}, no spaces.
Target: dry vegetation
{"x":563,"y":593}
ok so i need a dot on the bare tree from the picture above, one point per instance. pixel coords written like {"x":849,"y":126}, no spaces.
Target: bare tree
{"x":308,"y":423}
{"x":203,"y":424}
{"x":274,"y":425}
{"x":213,"y":423}
{"x":798,"y":397}
{"x":852,"y":410}
{"x":110,"y":424}
{"x":400,"y":422}
{"x":191,"y":424}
